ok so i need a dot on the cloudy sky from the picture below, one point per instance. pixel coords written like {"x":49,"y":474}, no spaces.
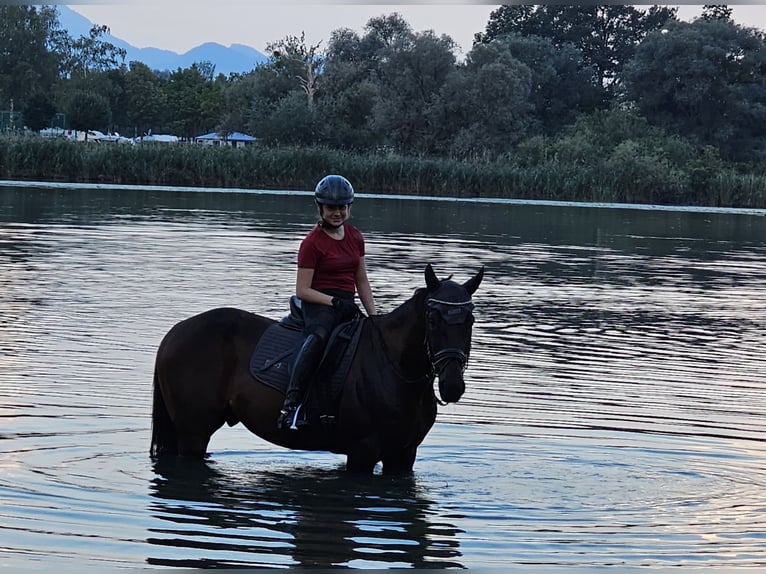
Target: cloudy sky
{"x":180,"y":25}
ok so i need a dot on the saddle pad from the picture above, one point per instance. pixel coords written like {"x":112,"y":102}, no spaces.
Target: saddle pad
{"x":271,"y":362}
{"x":272,"y":359}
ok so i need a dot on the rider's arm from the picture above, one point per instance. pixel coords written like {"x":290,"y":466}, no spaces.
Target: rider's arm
{"x":363,"y":287}
{"x":304,"y":291}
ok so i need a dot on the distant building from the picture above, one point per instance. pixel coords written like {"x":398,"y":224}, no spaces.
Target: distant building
{"x":233,"y":139}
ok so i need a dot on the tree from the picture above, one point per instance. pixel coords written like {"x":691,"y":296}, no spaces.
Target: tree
{"x":290,"y":122}
{"x":39,"y":111}
{"x":385,"y":32}
{"x":238,"y":97}
{"x":347,"y":116}
{"x":484,"y":106}
{"x":146,"y":101}
{"x":88,"y":111}
{"x":716,"y":12}
{"x":560,"y":83}
{"x":605,"y":35}
{"x":86,"y":55}
{"x":411,"y":74}
{"x":704,"y":80}
{"x":28,"y":59}
{"x":349,"y":93}
{"x":302,"y":61}
{"x":194,"y":99}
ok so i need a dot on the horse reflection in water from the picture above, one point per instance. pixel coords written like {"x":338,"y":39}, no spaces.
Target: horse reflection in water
{"x":386,"y":407}
{"x":214,"y":518}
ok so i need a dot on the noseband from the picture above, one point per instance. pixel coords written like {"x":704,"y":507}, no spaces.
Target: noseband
{"x":453,"y":313}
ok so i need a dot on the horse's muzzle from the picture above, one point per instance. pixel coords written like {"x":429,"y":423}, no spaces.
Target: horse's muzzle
{"x":450,"y":375}
{"x":448,"y":365}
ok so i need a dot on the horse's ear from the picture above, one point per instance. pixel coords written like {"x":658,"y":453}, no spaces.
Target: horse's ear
{"x":432,"y":281}
{"x":473,"y":283}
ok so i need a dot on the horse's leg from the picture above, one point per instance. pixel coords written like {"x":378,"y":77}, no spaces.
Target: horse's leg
{"x":360,"y":464}
{"x":194,"y":383}
{"x":399,"y":462}
{"x":362,"y":456}
{"x":197,"y":418}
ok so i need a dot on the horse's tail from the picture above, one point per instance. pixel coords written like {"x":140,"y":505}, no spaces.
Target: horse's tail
{"x":164,"y":438}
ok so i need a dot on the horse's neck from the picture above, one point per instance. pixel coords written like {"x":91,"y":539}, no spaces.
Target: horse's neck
{"x":403,"y":333}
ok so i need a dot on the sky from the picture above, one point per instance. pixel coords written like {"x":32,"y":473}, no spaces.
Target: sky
{"x":179,"y":25}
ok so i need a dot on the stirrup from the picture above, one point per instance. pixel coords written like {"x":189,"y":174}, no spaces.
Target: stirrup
{"x":288,"y":418}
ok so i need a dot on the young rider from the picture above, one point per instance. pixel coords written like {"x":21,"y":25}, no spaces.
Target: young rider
{"x":331,"y":270}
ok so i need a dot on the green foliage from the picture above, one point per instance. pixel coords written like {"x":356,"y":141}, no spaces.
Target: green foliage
{"x":484,"y":106}
{"x":605,"y":35}
{"x":28,"y":63}
{"x":654,"y":169}
{"x":84,"y":55}
{"x":346,"y":116}
{"x":716,"y":12}
{"x":561,"y":84}
{"x":704,"y":80}
{"x":412,"y":73}
{"x":291,"y":122}
{"x":39,"y":111}
{"x":195,"y":99}
{"x":146,"y":101}
{"x":303,"y":61}
{"x":616,"y":156}
{"x":87,"y":111}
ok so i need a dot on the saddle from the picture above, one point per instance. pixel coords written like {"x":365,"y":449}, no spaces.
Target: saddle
{"x":272,"y":360}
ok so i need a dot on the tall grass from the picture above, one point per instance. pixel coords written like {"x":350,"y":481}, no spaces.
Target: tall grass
{"x":627,"y":175}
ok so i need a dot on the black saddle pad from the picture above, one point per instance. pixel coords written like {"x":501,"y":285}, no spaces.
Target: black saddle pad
{"x":271,"y":362}
{"x":272,"y":359}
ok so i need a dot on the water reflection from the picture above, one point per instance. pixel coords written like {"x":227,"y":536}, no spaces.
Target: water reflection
{"x":297,"y":517}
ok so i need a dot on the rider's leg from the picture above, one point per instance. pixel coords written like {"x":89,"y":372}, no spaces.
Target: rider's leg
{"x":304,"y":368}
{"x":306,"y":363}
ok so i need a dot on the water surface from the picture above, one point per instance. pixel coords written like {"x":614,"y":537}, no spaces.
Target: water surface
{"x":614,"y":412}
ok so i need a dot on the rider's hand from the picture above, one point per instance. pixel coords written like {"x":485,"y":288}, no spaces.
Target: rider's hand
{"x":346,"y":308}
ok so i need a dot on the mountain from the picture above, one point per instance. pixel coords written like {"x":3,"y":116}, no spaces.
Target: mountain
{"x":236,"y":58}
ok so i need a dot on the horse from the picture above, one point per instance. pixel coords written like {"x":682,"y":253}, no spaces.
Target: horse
{"x":385,"y":408}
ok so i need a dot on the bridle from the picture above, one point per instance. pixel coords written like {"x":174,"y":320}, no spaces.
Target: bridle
{"x":453,"y":313}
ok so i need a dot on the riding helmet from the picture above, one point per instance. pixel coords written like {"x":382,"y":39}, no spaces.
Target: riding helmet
{"x":334,"y":190}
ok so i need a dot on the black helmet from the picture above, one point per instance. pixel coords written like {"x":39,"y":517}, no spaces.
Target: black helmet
{"x":334,"y":190}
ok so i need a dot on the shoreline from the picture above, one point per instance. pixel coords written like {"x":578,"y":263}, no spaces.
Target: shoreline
{"x":391,"y":196}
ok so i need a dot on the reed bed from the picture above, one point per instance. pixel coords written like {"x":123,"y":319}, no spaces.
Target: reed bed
{"x":629,"y":177}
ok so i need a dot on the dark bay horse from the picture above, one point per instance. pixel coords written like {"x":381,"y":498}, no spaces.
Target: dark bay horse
{"x":386,"y":407}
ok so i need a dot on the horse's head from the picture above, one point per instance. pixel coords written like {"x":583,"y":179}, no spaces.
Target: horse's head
{"x":449,"y":319}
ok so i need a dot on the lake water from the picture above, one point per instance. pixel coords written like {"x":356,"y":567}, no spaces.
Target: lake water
{"x":614,"y":413}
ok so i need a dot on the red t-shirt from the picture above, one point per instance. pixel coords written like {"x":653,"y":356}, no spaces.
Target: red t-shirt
{"x":334,"y":261}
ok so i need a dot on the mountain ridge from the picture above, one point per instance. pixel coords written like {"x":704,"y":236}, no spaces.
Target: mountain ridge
{"x":234,"y":59}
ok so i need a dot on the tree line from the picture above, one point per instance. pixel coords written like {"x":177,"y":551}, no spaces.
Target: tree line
{"x":536,"y":81}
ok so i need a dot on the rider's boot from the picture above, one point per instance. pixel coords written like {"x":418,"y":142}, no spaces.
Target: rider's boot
{"x":305,"y":364}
